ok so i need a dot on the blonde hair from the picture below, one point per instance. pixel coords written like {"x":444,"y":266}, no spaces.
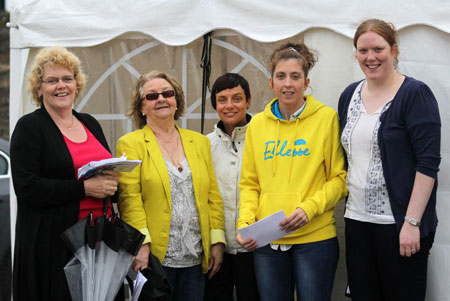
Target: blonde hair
{"x":137,"y":97}
{"x":54,"y":56}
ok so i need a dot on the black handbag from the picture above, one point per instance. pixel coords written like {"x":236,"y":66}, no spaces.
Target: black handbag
{"x":158,"y":286}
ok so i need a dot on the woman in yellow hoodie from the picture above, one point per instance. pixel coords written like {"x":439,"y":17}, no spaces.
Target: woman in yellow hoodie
{"x":293,"y":161}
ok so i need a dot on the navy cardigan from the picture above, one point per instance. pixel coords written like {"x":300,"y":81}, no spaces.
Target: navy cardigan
{"x":409,"y":139}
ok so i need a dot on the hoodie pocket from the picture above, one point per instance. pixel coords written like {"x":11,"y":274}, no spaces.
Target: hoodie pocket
{"x":275,"y":201}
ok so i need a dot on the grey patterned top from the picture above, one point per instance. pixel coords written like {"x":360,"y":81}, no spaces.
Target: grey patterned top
{"x":185,"y":241}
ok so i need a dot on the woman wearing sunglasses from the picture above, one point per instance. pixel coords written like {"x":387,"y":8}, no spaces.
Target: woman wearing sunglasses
{"x":173,"y":197}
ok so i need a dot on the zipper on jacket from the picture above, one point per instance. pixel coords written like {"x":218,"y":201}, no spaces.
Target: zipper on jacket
{"x":234,"y":146}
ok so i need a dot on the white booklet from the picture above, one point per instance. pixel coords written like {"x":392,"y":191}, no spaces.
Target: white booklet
{"x":265,"y":230}
{"x":118,"y":164}
{"x":138,"y":284}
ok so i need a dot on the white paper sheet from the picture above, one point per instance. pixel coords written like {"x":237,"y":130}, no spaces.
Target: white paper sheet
{"x":266,"y":230}
{"x":119,"y":164}
{"x":138,"y":284}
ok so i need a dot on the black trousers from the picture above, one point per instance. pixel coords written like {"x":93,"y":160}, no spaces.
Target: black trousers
{"x":375,"y":269}
{"x":236,"y":270}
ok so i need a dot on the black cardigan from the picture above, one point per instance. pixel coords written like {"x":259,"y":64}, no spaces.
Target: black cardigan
{"x":48,"y":199}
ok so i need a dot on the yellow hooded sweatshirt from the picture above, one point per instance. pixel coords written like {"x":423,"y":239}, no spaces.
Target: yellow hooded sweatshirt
{"x":291,"y":164}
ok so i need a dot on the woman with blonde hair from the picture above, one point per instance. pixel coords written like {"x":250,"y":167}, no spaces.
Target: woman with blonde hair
{"x":173,"y":197}
{"x":47,"y":148}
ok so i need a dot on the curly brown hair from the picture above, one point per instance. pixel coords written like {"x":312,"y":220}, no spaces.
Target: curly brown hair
{"x":300,"y":52}
{"x":137,"y":97}
{"x":54,"y":56}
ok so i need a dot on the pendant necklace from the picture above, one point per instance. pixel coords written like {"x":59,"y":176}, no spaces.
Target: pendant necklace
{"x":174,"y":162}
{"x":69,"y":128}
{"x":71,"y":125}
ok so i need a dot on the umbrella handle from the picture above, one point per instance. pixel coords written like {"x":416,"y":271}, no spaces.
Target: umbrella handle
{"x":107,"y":201}
{"x":106,"y":205}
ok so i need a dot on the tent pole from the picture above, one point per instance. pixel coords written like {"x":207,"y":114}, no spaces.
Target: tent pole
{"x":206,"y":65}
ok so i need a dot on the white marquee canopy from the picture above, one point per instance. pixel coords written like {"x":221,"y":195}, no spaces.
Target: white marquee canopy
{"x":86,"y":23}
{"x":119,"y":40}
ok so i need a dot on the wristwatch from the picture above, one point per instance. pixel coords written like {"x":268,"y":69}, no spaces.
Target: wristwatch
{"x":412,"y":221}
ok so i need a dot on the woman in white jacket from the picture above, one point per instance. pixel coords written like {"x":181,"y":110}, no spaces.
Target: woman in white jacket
{"x":230,"y":96}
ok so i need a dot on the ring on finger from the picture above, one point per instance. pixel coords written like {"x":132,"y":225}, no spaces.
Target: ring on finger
{"x":413,"y":250}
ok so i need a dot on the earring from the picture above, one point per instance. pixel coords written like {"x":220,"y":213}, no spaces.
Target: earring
{"x":143,"y":114}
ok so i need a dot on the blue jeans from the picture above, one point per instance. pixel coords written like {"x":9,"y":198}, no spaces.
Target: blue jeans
{"x":188,"y":283}
{"x":309,"y":267}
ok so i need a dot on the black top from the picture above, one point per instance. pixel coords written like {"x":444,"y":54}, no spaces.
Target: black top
{"x":48,"y":199}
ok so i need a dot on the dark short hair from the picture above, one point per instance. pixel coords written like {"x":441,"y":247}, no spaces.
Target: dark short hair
{"x":229,"y":81}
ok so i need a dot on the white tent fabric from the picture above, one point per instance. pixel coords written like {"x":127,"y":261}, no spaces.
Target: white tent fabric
{"x":118,"y":40}
{"x":178,"y":22}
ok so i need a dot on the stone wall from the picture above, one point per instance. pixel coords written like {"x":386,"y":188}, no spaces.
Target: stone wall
{"x":4,"y":75}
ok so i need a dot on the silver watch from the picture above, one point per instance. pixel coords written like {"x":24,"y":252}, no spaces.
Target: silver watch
{"x":412,"y":221}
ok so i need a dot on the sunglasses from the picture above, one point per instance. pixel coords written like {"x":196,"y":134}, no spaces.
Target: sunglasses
{"x":155,"y":95}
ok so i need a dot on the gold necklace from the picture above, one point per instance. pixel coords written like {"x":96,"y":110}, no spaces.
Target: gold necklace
{"x":174,"y":162}
{"x":69,"y":128}
{"x":71,"y":125}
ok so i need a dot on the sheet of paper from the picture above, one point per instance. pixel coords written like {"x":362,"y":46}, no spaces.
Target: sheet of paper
{"x":138,"y":284}
{"x":266,"y":230}
{"x":119,"y":164}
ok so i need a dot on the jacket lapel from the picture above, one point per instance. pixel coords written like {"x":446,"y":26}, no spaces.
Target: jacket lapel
{"x":53,"y":131}
{"x":192,"y":157}
{"x":158,"y":160}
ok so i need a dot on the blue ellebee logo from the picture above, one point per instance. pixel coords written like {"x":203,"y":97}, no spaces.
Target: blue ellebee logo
{"x":297,"y":150}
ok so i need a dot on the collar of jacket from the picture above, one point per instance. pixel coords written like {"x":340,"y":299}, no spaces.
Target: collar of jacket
{"x":237,"y":134}
{"x":156,"y":156}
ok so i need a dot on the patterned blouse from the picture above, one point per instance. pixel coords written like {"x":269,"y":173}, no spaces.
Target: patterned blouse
{"x":368,"y":199}
{"x":185,"y":241}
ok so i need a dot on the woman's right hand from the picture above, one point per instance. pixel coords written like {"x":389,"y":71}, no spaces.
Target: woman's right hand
{"x":102,"y":185}
{"x":249,"y":244}
{"x":140,"y":262}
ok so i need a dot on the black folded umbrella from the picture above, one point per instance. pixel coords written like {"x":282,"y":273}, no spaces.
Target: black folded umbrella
{"x":103,"y":255}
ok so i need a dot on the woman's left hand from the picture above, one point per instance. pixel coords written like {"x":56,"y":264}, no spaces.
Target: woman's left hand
{"x":294,"y":221}
{"x":409,"y":240}
{"x":111,"y":174}
{"x":140,"y":262}
{"x":215,"y":259}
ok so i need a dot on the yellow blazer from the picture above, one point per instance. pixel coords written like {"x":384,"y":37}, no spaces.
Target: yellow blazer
{"x":145,"y":197}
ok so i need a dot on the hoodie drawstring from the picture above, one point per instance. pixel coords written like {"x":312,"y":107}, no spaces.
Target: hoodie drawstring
{"x":293,"y":148}
{"x":274,"y":163}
